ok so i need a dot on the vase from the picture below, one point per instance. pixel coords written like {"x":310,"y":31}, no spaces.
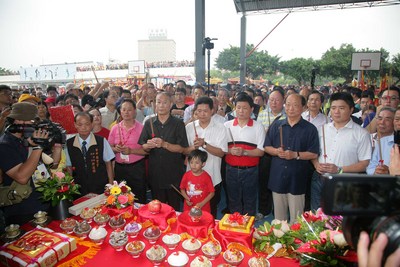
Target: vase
{"x":60,"y":211}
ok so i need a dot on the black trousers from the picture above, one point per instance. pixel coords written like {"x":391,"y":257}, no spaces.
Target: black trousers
{"x":135,"y":177}
{"x":265,"y":202}
{"x":215,"y":200}
{"x":168,"y":196}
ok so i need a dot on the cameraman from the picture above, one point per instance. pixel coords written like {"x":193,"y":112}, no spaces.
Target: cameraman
{"x":17,"y":166}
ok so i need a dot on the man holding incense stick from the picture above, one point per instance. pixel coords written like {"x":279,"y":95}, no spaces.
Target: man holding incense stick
{"x":245,"y":147}
{"x":291,"y":142}
{"x":380,"y":159}
{"x":345,"y":146}
{"x":164,"y":138}
{"x":210,"y":136}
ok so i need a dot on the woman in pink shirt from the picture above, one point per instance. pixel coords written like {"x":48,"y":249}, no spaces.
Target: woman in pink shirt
{"x":129,"y":155}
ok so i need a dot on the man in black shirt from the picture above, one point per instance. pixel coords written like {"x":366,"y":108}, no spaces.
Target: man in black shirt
{"x":164,"y":138}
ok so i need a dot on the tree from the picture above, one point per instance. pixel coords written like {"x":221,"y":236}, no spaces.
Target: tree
{"x":257,"y":64}
{"x":299,"y":68}
{"x":396,"y":67}
{"x":4,"y":71}
{"x":337,"y":62}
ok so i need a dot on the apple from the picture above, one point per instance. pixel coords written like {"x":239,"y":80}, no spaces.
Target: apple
{"x":154,"y":206}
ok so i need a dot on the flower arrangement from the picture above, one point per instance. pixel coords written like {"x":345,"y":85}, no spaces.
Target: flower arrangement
{"x":119,"y":195}
{"x":58,"y":187}
{"x":316,"y":239}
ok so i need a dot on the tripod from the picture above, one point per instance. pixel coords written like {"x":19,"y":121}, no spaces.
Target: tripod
{"x":207,"y":44}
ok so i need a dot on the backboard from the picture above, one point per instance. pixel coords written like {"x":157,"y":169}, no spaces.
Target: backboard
{"x":136,"y":67}
{"x":366,"y":61}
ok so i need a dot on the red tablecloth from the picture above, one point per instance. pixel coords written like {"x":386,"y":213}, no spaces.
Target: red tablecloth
{"x":159,"y":219}
{"x":196,"y":229}
{"x":107,"y":256}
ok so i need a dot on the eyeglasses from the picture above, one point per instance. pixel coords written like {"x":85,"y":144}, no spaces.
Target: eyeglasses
{"x":389,"y":98}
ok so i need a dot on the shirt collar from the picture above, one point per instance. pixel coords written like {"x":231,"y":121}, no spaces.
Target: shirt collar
{"x":249,"y":122}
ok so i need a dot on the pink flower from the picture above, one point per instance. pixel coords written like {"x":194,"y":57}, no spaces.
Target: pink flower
{"x":59,"y":175}
{"x":122,"y":199}
{"x":324,"y":235}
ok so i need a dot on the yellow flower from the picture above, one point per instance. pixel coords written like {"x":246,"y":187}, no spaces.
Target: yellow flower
{"x":115,"y":190}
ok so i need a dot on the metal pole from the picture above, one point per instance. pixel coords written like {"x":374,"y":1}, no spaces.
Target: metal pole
{"x":199,"y":37}
{"x":208,"y":68}
{"x":243,"y":49}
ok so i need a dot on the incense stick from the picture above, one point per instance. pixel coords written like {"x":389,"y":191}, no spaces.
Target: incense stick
{"x":195,"y":131}
{"x":281,"y":136}
{"x":323,"y":140}
{"x":380,"y":149}
{"x":230,"y":133}
{"x":94,"y":72}
{"x":152,"y":128}
{"x":179,"y":192}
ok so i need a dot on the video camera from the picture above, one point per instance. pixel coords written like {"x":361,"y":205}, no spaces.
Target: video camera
{"x":57,"y":134}
{"x":368,"y":203}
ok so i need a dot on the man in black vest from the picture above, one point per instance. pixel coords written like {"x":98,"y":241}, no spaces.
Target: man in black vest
{"x":89,"y":156}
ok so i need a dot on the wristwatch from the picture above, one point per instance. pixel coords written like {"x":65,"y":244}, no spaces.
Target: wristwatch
{"x":339,"y":170}
{"x":245,"y":153}
{"x":205,"y":145}
{"x":298,"y":155}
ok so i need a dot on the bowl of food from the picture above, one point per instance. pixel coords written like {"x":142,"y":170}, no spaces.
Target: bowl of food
{"x":118,"y":239}
{"x":68,"y":225}
{"x":258,"y":262}
{"x":152,"y":234}
{"x":178,"y":259}
{"x":101,"y":218}
{"x":117,"y":222}
{"x":98,"y":234}
{"x":133,"y":229}
{"x":156,"y":254}
{"x":171,"y":240}
{"x":88,"y":214}
{"x":201,"y":261}
{"x":191,"y":246}
{"x":135,"y":248}
{"x":233,"y":256}
{"x":211,"y":249}
{"x":82,"y":229}
{"x":12,"y":231}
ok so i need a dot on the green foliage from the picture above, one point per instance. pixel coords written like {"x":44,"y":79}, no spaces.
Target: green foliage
{"x":299,"y":68}
{"x":60,"y":186}
{"x":229,"y":59}
{"x":257,"y":64}
{"x":337,"y":62}
{"x":396,"y":66}
{"x":4,"y":71}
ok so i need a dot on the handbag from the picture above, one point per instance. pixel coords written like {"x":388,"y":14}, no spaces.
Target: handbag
{"x":14,"y":193}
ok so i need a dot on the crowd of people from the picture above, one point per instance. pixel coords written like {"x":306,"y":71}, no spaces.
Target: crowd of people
{"x":266,"y":147}
{"x":123,"y":66}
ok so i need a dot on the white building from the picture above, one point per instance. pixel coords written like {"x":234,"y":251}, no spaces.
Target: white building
{"x":157,"y":48}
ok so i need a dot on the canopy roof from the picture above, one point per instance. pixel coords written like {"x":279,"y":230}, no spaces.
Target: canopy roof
{"x":285,"y":6}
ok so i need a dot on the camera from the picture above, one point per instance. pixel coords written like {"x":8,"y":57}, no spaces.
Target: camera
{"x":368,"y":203}
{"x":396,"y":137}
{"x":57,"y":133}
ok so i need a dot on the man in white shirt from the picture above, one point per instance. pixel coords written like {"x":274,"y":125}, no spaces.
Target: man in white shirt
{"x":345,"y":146}
{"x":210,"y":136}
{"x":109,"y":112}
{"x":380,"y":160}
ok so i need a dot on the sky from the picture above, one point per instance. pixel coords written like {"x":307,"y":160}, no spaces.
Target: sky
{"x":37,"y":32}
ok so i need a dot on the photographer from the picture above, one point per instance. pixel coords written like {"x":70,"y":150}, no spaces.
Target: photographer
{"x":17,"y":166}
